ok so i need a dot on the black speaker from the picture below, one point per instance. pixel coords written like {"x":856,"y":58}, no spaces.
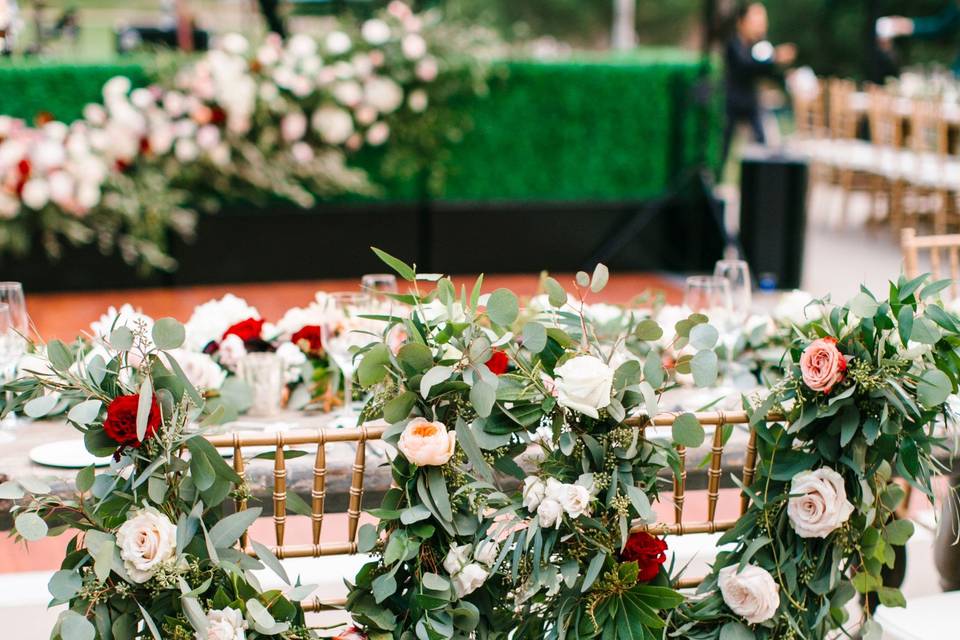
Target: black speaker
{"x":773,"y":215}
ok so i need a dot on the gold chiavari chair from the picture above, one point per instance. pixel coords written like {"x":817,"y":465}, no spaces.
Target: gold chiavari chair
{"x":925,"y":169}
{"x":854,"y":159}
{"x":886,"y":135}
{"x":943,"y":256}
{"x":682,"y":524}
{"x":320,"y":438}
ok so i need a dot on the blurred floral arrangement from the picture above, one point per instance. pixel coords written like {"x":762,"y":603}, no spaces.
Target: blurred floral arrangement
{"x":154,"y":554}
{"x":280,"y":120}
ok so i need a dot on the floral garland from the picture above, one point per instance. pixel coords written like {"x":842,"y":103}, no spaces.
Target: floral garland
{"x":155,"y":555}
{"x":864,"y":400}
{"x":277,"y":121}
{"x":517,"y":479}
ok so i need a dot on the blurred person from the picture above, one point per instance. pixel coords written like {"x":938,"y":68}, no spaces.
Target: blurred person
{"x":940,"y":25}
{"x":9,"y":22}
{"x":749,"y":57}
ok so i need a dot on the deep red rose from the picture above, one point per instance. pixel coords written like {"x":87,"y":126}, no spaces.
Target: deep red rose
{"x":121,"y":422}
{"x":647,"y":551}
{"x":351,"y":633}
{"x":247,"y":330}
{"x":498,"y":362}
{"x":309,"y":339}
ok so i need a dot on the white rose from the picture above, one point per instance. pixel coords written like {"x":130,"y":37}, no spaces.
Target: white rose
{"x":487,"y":552}
{"x":668,"y":317}
{"x":293,"y":126}
{"x":201,"y":370}
{"x":234,"y":43}
{"x":752,"y":593}
{"x":88,"y":195}
{"x":47,"y":155}
{"x":418,"y":101}
{"x":533,"y":492}
{"x":142,"y":98}
{"x":795,"y":308}
{"x":301,"y":46}
{"x":231,"y":351}
{"x":302,"y":152}
{"x":414,"y":46}
{"x":348,"y":93}
{"x":95,"y":114}
{"x":575,"y":500}
{"x":383,"y":94}
{"x":61,"y":187}
{"x":333,"y":124}
{"x":116,"y":87}
{"x":186,"y":150}
{"x":378,"y":133}
{"x":293,"y":359}
{"x":146,"y":540}
{"x":550,"y":513}
{"x":457,"y":558}
{"x":819,"y":504}
{"x":469,"y":579}
{"x":338,"y":42}
{"x":224,"y":624}
{"x":427,"y":70}
{"x":36,"y":193}
{"x":584,"y":384}
{"x":375,"y":31}
{"x":208,"y":136}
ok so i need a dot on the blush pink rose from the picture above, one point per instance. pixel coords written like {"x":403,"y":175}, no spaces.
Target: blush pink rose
{"x":822,"y":365}
{"x":427,"y":444}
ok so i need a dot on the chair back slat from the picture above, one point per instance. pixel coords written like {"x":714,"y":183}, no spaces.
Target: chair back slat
{"x":279,"y":492}
{"x":356,"y":487}
{"x":318,"y":493}
{"x":680,"y":485}
{"x":749,"y":469}
{"x":714,"y":472}
{"x":241,"y":501}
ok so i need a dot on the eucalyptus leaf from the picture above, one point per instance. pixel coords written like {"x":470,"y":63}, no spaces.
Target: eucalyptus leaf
{"x":534,"y":337}
{"x":85,"y":412}
{"x":227,"y":531}
{"x":503,"y":307}
{"x":30,"y":526}
{"x":687,"y":431}
{"x":168,"y":334}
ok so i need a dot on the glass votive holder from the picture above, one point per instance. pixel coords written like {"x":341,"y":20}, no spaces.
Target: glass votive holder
{"x":263,"y":372}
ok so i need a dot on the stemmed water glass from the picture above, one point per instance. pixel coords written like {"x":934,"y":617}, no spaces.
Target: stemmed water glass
{"x":737,"y":274}
{"x":378,"y":283}
{"x":708,"y":295}
{"x":344,"y":330}
{"x":12,"y":346}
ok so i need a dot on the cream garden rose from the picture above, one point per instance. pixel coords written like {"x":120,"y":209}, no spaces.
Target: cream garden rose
{"x":224,"y":624}
{"x":584,"y":384}
{"x":534,"y":490}
{"x":426,"y":443}
{"x":146,"y":540}
{"x":819,"y":505}
{"x":822,"y":365}
{"x":752,"y":593}
{"x":470,"y":578}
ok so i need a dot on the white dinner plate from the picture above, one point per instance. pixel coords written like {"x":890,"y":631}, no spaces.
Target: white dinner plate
{"x":66,"y":454}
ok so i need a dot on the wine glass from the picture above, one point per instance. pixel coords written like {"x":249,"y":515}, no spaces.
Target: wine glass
{"x":11,"y":349}
{"x":378,"y":283}
{"x":708,"y":295}
{"x":344,"y":329}
{"x":737,"y":274}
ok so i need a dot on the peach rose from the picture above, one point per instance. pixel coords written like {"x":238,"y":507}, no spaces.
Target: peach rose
{"x":426,"y":443}
{"x":822,"y":365}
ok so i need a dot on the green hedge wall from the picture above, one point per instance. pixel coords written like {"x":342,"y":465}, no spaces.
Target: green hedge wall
{"x":581,"y":130}
{"x":589,"y":129}
{"x":60,"y":89}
